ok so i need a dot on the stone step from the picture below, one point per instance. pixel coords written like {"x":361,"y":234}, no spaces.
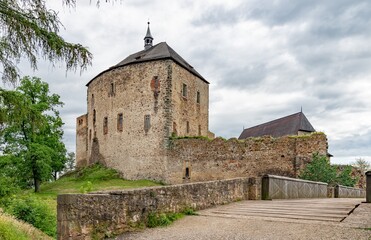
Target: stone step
{"x":272,"y":217}
{"x":283,"y":213}
{"x":288,"y":208}
{"x":298,"y":212}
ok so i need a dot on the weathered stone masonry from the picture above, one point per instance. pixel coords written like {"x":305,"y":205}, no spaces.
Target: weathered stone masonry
{"x":139,"y":91}
{"x":253,"y":157}
{"x":82,"y":216}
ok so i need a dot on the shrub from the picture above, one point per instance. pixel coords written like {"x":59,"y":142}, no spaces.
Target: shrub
{"x":34,"y":212}
{"x":86,"y":187}
{"x":162,"y":219}
{"x":189,"y":211}
{"x":97,"y":172}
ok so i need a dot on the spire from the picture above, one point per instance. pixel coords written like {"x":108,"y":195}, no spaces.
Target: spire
{"x":148,"y":39}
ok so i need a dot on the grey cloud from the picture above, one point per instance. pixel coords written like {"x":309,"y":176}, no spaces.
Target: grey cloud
{"x":355,"y":145}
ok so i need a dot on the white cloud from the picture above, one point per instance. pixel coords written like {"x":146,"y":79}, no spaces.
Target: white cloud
{"x":264,"y":60}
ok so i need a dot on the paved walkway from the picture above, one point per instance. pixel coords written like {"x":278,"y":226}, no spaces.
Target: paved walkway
{"x":278,"y":219}
{"x":328,"y":210}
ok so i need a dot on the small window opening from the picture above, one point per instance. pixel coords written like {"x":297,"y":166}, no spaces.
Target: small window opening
{"x":94,"y":116}
{"x":198,"y":97}
{"x":199,"y":130}
{"x":187,"y":172}
{"x":90,"y":135}
{"x":120,"y":120}
{"x":187,"y":127}
{"x":81,"y":121}
{"x":92,"y":100}
{"x":112,"y":89}
{"x":105,"y":125}
{"x":184,"y":90}
{"x":147,"y":122}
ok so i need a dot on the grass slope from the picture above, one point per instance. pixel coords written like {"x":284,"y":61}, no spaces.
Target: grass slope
{"x":89,"y":179}
{"x":92,"y":178}
{"x":13,"y":229}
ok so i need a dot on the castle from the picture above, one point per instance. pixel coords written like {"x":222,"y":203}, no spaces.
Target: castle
{"x":143,"y":112}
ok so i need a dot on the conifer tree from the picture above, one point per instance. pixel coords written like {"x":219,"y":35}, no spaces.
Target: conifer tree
{"x":28,"y":29}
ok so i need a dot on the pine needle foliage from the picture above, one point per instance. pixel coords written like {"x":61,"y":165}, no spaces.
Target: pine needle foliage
{"x":28,"y":29}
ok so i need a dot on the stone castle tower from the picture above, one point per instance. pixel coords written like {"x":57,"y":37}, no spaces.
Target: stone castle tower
{"x":136,"y":105}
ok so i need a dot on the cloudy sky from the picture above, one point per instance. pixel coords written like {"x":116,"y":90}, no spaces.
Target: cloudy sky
{"x":264,"y":60}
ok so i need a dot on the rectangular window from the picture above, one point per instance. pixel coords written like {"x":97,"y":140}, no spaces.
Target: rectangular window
{"x":92,"y":100}
{"x":187,"y":127}
{"x":147,"y":122}
{"x":198,"y":97}
{"x":94,"y":116}
{"x":199,"y":130}
{"x":105,"y":125}
{"x":112,"y":89}
{"x":184,"y":90}
{"x":120,"y":121}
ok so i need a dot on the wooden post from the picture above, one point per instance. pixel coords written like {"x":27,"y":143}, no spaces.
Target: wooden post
{"x":265,"y":188}
{"x":368,"y":187}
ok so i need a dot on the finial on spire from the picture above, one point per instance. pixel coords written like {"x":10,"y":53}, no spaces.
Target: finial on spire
{"x":301,"y":109}
{"x":148,"y":38}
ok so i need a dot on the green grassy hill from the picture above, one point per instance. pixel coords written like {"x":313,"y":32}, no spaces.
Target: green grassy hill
{"x":93,"y":178}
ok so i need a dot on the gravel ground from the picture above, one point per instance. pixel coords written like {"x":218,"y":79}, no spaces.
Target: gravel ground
{"x":206,"y":227}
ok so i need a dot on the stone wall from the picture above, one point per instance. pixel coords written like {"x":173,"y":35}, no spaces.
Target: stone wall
{"x":192,"y":160}
{"x":349,"y":192}
{"x":84,"y":216}
{"x":278,"y":187}
{"x":187,"y":109}
{"x":132,"y":112}
{"x":81,"y":140}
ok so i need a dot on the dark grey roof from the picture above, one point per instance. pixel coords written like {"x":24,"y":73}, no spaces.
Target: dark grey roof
{"x":158,"y":52}
{"x":148,"y":35}
{"x":289,"y":125}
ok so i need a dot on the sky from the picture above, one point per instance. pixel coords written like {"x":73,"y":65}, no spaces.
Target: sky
{"x":264,"y":60}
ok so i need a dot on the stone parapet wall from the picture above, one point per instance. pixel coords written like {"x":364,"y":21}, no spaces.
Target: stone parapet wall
{"x":87,"y":216}
{"x":278,"y":187}
{"x":349,"y":192}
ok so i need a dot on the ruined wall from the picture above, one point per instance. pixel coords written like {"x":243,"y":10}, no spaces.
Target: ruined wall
{"x":202,"y":159}
{"x":98,"y":215}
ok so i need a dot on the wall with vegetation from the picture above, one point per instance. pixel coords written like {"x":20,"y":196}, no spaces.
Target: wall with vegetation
{"x":193,"y":160}
{"x":104,"y":214}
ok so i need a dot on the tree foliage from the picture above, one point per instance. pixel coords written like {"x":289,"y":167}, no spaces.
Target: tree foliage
{"x":28,"y":29}
{"x":361,"y":164}
{"x":345,"y":178}
{"x":320,"y":170}
{"x":31,"y":132}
